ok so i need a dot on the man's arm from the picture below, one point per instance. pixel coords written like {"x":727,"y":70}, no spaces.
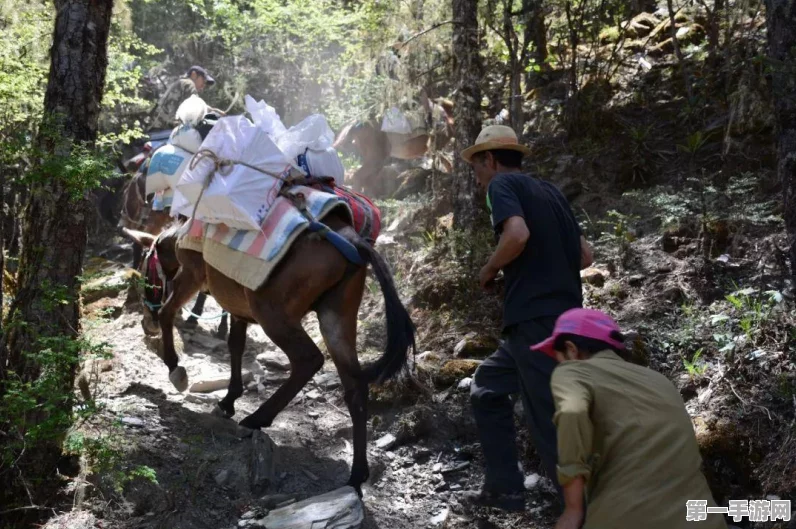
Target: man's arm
{"x":512,"y":242}
{"x":572,"y":398}
{"x":586,"y":255}
{"x":508,"y":215}
{"x":572,"y":517}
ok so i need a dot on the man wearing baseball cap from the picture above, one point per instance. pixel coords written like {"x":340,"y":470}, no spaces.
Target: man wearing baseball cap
{"x":625,"y":439}
{"x":192,"y":83}
{"x":541,"y":252}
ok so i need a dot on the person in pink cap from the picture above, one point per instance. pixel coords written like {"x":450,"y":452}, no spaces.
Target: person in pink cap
{"x":627,"y":454}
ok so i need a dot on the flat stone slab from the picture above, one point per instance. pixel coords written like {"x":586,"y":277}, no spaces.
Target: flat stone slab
{"x":339,"y":509}
{"x":215,"y":383}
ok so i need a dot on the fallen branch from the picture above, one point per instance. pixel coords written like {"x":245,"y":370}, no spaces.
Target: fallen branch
{"x":416,"y":35}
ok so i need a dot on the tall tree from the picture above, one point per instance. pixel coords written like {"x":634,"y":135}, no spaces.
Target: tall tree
{"x":531,"y":21}
{"x":467,"y":112}
{"x":781,"y":25}
{"x":39,"y":341}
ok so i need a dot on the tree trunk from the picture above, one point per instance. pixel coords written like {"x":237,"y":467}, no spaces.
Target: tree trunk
{"x":467,"y":111}
{"x":781,"y":22}
{"x":538,"y":36}
{"x":53,"y":242}
{"x":678,"y":52}
{"x":515,"y":103}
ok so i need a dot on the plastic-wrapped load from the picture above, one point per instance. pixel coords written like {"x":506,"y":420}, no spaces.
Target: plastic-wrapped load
{"x":312,"y":138}
{"x":322,"y":163}
{"x":395,"y":121}
{"x":265,"y":117}
{"x":192,"y":110}
{"x":166,"y":167}
{"x":238,"y":195}
{"x":186,"y":137}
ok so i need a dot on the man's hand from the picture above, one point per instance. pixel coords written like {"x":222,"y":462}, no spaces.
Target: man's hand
{"x":571,"y":519}
{"x":487,"y":276}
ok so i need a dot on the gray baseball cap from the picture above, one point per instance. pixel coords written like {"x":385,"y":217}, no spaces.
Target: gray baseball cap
{"x":201,"y":71}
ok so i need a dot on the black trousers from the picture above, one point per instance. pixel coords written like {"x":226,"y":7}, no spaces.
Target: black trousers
{"x":513,"y":369}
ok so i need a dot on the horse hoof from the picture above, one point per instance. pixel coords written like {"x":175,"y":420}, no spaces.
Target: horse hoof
{"x":179,"y":378}
{"x":150,"y":327}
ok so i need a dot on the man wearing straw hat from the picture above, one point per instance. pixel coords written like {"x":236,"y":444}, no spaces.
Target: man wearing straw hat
{"x":541,"y":251}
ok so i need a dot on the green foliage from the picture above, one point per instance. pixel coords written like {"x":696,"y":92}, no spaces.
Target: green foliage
{"x":619,"y":233}
{"x":694,"y":367}
{"x":41,"y":409}
{"x":106,"y":458}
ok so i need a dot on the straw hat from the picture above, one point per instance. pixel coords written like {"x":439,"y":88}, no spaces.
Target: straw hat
{"x":492,"y":138}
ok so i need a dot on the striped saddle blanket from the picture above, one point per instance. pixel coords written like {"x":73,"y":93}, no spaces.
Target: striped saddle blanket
{"x":249,"y":256}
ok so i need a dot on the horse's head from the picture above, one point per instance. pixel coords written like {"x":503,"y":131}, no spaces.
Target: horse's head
{"x":355,"y":136}
{"x":157,"y":270}
{"x":134,"y":202}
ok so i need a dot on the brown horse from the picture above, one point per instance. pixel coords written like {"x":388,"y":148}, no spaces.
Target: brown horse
{"x":313,"y":276}
{"x":366,"y":140}
{"x":138,"y":216}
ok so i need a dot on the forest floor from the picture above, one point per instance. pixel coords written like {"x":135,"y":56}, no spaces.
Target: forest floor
{"x":682,"y":310}
{"x":199,"y":463}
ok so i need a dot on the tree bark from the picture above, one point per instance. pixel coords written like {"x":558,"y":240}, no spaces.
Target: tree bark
{"x":467,"y":111}
{"x":781,"y":25}
{"x":54,"y":234}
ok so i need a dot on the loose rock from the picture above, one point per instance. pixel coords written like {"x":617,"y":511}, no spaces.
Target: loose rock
{"x":339,"y":509}
{"x":455,"y":370}
{"x":262,"y":461}
{"x":386,"y":442}
{"x":532,"y":481}
{"x":465,"y":383}
{"x":210,"y":384}
{"x":475,"y":345}
{"x":440,"y":518}
{"x":314,"y":394}
{"x":133,"y":421}
{"x":593,"y":276}
{"x":274,"y":360}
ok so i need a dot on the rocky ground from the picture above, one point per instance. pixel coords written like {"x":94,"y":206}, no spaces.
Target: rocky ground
{"x":204,"y":472}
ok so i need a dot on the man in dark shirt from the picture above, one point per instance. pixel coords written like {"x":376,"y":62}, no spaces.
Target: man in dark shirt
{"x":541,"y":251}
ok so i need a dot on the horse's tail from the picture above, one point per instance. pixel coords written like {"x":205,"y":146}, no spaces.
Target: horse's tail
{"x":400,"y":328}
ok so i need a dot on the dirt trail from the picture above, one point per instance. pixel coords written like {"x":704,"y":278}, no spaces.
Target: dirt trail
{"x":202,"y":464}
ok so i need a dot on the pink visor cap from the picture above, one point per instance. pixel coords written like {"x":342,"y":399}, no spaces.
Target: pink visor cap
{"x":581,"y":322}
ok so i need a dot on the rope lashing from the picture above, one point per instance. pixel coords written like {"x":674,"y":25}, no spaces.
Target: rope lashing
{"x":190,"y":313}
{"x":224,"y":167}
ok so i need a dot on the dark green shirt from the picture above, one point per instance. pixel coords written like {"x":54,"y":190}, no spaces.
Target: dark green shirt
{"x":624,"y":428}
{"x":544,"y":280}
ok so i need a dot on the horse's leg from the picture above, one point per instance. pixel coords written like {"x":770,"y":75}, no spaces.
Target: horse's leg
{"x":337,"y":315}
{"x":138,"y":254}
{"x":237,"y":344}
{"x":305,"y":360}
{"x":187,"y":283}
{"x":223,"y":326}
{"x":197,"y":310}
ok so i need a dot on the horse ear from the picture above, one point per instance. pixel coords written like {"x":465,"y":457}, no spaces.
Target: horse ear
{"x":141,"y":237}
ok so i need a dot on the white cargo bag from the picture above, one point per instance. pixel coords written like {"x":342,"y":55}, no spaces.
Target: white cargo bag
{"x":192,"y":111}
{"x":166,"y":167}
{"x":312,"y":132}
{"x":325,"y":162}
{"x":238,"y":196}
{"x":186,"y":137}
{"x":395,"y":121}
{"x":265,"y":117}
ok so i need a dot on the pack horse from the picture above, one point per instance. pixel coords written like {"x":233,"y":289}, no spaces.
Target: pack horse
{"x":324,"y":271}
